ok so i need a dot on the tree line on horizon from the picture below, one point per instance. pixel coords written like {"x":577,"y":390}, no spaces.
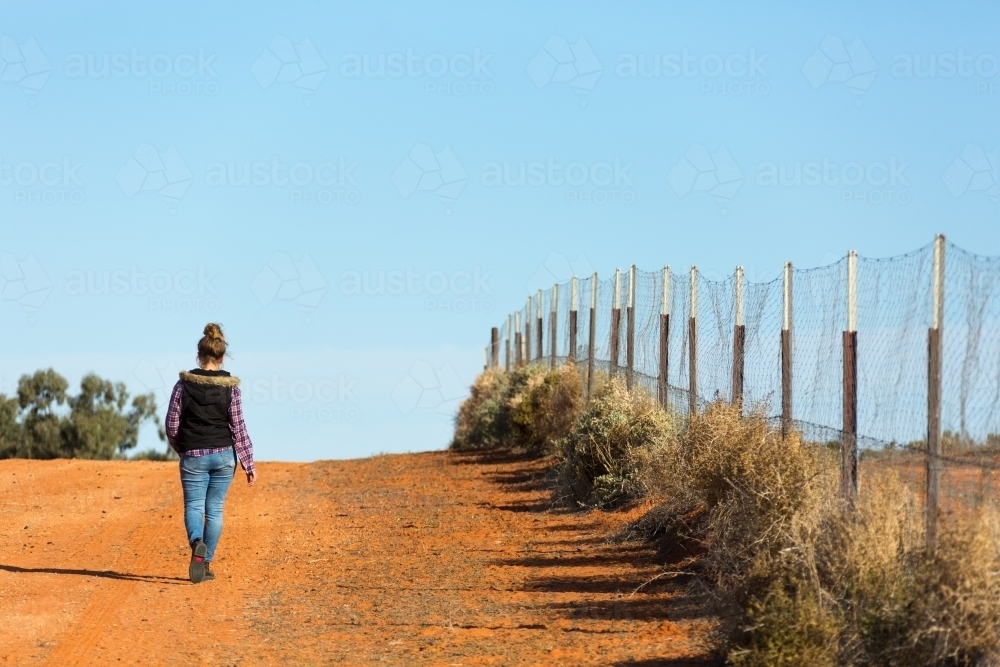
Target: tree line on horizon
{"x":45,"y":421}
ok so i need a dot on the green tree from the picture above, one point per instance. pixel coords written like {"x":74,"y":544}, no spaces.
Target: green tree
{"x":41,"y":427}
{"x":100,"y":422}
{"x":10,"y":430}
{"x":99,"y":426}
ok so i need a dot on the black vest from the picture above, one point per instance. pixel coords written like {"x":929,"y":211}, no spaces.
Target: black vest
{"x":205,"y":403}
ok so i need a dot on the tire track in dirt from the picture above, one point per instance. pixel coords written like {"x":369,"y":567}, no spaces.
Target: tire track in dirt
{"x":76,"y":647}
{"x":180,"y":614}
{"x":95,"y":622}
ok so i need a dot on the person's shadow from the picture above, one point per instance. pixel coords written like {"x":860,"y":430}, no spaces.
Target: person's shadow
{"x":107,"y":574}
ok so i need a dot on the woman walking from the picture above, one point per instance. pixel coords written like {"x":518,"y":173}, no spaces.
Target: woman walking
{"x":205,"y":427}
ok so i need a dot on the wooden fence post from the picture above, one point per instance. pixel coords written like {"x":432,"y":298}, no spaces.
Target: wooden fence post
{"x":592,"y":342}
{"x":786,"y":353}
{"x":527,"y":332}
{"x":663,"y":385}
{"x":538,"y":314}
{"x":507,"y":346}
{"x":849,"y":449}
{"x":573,"y":297}
{"x":693,"y":346}
{"x":553,"y":318}
{"x":630,"y":329}
{"x":494,"y":347}
{"x":517,"y":339}
{"x":934,"y":348}
{"x":739,"y":341}
{"x":616,"y":318}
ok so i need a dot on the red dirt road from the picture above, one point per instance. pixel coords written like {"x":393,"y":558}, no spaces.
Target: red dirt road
{"x":430,"y":558}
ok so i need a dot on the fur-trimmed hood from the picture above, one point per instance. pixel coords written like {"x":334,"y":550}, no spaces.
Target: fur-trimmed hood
{"x":219,"y":380}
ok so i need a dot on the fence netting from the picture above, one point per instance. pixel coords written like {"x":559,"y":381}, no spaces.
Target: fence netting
{"x":894,"y":311}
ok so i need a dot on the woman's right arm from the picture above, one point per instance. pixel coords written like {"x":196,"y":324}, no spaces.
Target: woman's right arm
{"x":174,"y":414}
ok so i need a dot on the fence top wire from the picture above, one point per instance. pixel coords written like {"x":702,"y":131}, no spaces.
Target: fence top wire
{"x":893,"y":312}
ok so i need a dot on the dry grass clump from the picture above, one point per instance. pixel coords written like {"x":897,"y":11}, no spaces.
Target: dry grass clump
{"x":859,"y":589}
{"x":618,"y":435}
{"x":544,"y":406}
{"x":478,"y":422}
{"x":955,"y":615}
{"x":527,"y":409}
{"x":821,"y":583}
{"x":748,"y":490}
{"x":837,"y":591}
{"x":790,"y":625}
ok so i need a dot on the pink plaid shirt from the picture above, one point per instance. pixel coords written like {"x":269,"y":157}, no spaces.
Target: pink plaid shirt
{"x":241,"y":439}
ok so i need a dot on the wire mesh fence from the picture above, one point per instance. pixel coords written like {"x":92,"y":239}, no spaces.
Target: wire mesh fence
{"x":688,"y":340}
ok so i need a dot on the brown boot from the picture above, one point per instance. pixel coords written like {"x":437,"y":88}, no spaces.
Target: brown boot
{"x":208,"y":571}
{"x":196,"y":570}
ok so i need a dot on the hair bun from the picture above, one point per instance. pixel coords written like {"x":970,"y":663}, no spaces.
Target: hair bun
{"x":212,"y":345}
{"x":213,"y":330}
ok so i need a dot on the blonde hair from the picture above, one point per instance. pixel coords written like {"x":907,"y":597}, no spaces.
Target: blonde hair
{"x":212,"y":345}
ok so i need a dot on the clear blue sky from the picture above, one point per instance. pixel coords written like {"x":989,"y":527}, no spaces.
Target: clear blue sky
{"x":340,"y":184}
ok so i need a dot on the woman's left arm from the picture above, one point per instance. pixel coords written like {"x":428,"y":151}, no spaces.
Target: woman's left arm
{"x":241,"y":439}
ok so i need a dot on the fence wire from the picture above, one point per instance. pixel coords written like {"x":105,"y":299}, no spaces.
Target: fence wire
{"x":894,"y":310}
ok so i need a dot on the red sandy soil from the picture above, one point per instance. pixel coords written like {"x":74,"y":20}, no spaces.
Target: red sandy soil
{"x":433,"y":558}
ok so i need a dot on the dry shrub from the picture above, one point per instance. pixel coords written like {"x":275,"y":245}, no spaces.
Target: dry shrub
{"x":864,"y":562}
{"x":790,"y":626}
{"x":858,"y":589}
{"x":955,"y":616}
{"x":756,"y":489}
{"x":528,"y":409}
{"x":822,"y":583}
{"x":837,"y":592}
{"x":617,"y":436}
{"x":545,"y":406}
{"x":478,"y":422}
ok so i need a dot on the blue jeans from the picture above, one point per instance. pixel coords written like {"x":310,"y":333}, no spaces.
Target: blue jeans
{"x":206,"y":480}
